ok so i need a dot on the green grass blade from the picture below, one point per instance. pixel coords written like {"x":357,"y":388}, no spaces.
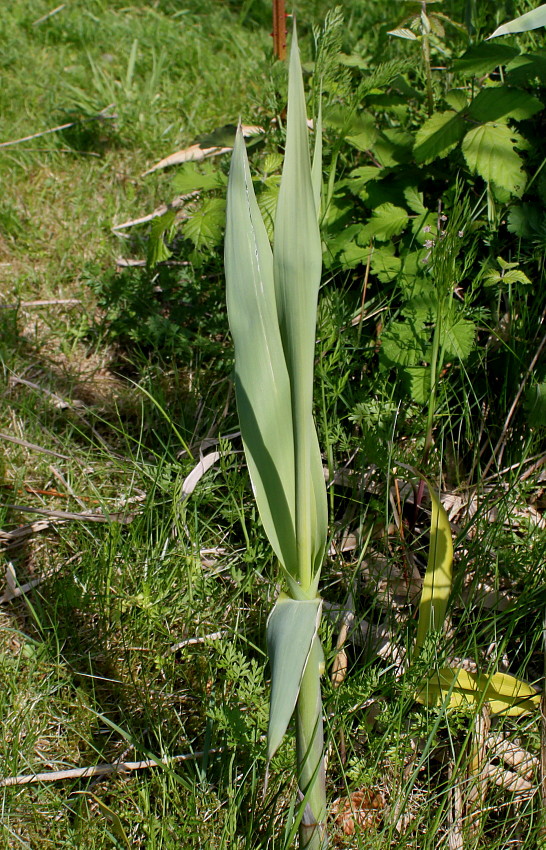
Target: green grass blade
{"x":261,"y":377}
{"x":530,"y":21}
{"x":297,"y":264}
{"x":291,"y":629}
{"x":438,"y":576}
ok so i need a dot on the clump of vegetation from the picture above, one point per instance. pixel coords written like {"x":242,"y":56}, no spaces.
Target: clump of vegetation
{"x":136,"y":596}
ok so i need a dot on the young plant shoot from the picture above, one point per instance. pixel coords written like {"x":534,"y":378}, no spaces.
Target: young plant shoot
{"x":272,"y":305}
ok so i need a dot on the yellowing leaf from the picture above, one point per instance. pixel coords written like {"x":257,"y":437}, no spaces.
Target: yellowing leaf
{"x":501,"y":692}
{"x":438,"y":575}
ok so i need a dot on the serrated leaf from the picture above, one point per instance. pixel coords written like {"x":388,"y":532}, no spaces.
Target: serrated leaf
{"x":501,"y":692}
{"x":457,"y":339}
{"x":419,"y":383}
{"x":205,"y":226}
{"x":267,"y":202}
{"x":363,"y":135}
{"x":481,"y":59}
{"x":457,"y":99}
{"x":403,"y":32}
{"x":438,"y":135}
{"x":516,"y":276}
{"x":414,"y":200}
{"x":385,"y":265}
{"x":530,"y":21}
{"x":386,"y":221}
{"x":501,"y":103}
{"x":402,"y":344}
{"x":272,"y":162}
{"x":191,"y":178}
{"x":158,"y":251}
{"x":489,"y":152}
{"x":438,"y":575}
{"x":291,"y":629}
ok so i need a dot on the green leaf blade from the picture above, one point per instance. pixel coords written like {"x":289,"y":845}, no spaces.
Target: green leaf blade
{"x":291,"y":629}
{"x":489,"y":152}
{"x":261,"y":377}
{"x":297,"y":263}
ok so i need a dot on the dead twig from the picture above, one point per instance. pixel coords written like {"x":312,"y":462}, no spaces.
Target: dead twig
{"x":101,"y":116}
{"x":33,"y":446}
{"x":102,"y":769}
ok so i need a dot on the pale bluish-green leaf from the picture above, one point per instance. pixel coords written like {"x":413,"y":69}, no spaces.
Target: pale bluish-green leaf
{"x":438,"y":575}
{"x":261,"y":376}
{"x":501,"y":103}
{"x":386,"y":221}
{"x":481,"y":59}
{"x":291,"y":629}
{"x":489,"y":152}
{"x":297,"y":261}
{"x":316,"y":168}
{"x":501,"y":692}
{"x":438,"y":135}
{"x":530,"y":21}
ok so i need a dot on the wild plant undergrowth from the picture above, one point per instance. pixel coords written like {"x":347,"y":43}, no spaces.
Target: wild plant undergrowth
{"x":90,"y":668}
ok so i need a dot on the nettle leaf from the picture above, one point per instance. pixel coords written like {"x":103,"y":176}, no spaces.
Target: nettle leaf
{"x":458,"y":339}
{"x":363,"y":135}
{"x":525,"y":220}
{"x":267,"y":202}
{"x":205,"y":227}
{"x":402,"y":344}
{"x":415,"y":200}
{"x":192,"y":177}
{"x":526,"y":67}
{"x":162,"y":227}
{"x":272,"y":162}
{"x":418,"y":378}
{"x":481,"y":59}
{"x":438,"y":135}
{"x":457,"y":99}
{"x":393,"y":147}
{"x":404,"y":33}
{"x":385,"y":265}
{"x":386,"y":221}
{"x":489,"y":152}
{"x":503,"y":102}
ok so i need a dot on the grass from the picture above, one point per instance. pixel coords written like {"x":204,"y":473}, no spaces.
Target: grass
{"x":88,"y":672}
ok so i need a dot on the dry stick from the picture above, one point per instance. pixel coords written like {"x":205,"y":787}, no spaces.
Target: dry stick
{"x":28,"y":445}
{"x":61,"y":127}
{"x":499,"y":448}
{"x":53,"y":302}
{"x":124,"y":519}
{"x":101,"y":769}
{"x":49,"y":15}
